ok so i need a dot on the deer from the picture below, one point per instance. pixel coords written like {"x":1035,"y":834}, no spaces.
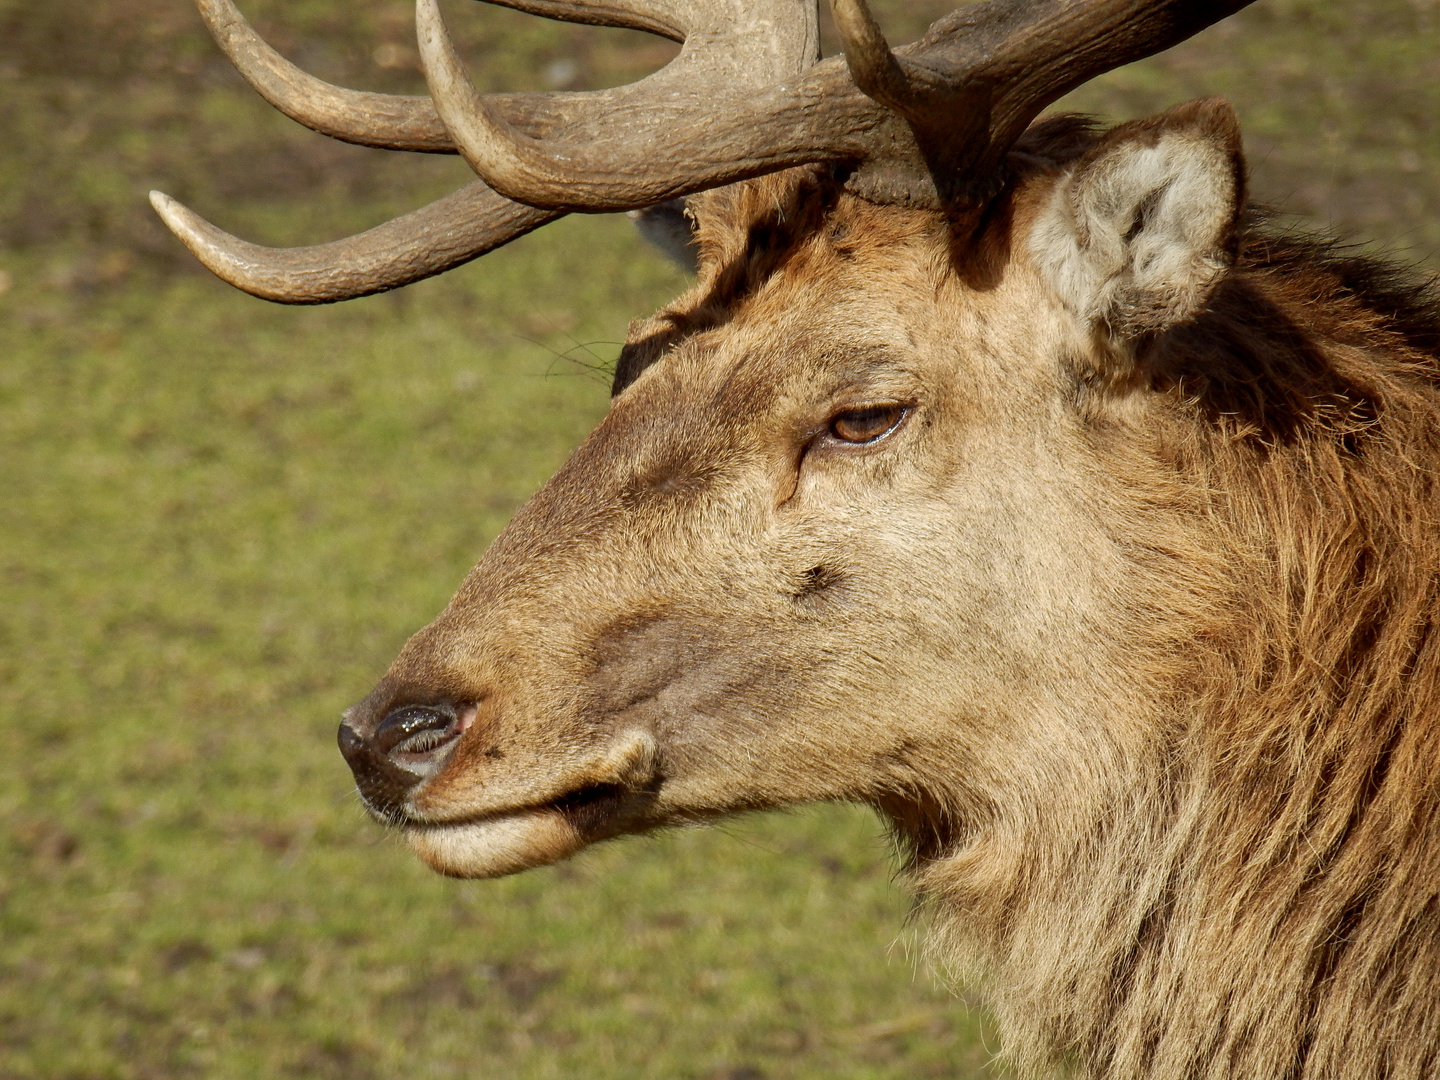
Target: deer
{"x":1012,"y":476}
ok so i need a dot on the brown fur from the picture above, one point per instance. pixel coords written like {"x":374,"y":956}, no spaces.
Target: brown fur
{"x":1159,"y":731}
{"x":1265,"y":901}
{"x":1291,"y":915}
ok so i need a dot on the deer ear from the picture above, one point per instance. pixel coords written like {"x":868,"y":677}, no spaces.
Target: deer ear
{"x":670,"y":228}
{"x":1134,"y":239}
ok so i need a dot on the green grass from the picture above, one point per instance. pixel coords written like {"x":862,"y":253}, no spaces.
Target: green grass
{"x":221,"y":518}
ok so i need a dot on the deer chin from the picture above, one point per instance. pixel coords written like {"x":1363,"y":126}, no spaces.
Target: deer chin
{"x":510,"y":841}
{"x":499,"y":845}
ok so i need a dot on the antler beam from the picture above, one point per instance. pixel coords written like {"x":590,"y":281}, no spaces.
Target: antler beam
{"x":388,"y":121}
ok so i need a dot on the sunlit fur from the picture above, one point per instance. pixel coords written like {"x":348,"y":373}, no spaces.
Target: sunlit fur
{"x":1128,"y":630}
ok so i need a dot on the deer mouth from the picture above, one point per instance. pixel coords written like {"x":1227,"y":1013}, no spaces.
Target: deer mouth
{"x":498,"y":828}
{"x":610,"y":794}
{"x":507,"y":842}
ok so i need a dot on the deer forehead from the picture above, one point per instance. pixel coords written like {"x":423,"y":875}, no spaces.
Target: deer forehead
{"x":868,"y":303}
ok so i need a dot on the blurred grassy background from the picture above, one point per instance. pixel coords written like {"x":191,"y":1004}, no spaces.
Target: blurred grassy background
{"x":221,"y":518}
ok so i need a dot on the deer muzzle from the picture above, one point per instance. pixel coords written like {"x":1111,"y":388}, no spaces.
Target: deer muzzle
{"x":409,"y":744}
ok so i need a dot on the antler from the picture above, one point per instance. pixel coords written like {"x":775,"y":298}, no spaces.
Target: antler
{"x":420,"y":244}
{"x":972,"y":84}
{"x":395,"y":122}
{"x":747,"y":95}
{"x":781,"y":39}
{"x":717,"y":113}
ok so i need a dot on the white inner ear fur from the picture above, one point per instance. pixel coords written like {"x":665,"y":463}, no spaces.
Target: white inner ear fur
{"x":1134,"y":240}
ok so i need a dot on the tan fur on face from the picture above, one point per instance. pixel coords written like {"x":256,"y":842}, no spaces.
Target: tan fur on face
{"x":1139,"y":664}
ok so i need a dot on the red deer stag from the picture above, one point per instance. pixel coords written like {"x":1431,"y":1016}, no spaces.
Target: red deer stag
{"x":1008,"y":476}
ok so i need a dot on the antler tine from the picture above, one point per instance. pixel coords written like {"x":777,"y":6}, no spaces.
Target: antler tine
{"x":667,"y":117}
{"x":387,"y":121}
{"x":484,"y":139}
{"x":506,"y":159}
{"x":872,"y":65}
{"x":663,"y":18}
{"x":401,"y":122}
{"x":425,"y":242}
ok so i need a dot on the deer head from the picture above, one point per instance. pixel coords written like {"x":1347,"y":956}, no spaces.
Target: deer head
{"x":827,"y":543}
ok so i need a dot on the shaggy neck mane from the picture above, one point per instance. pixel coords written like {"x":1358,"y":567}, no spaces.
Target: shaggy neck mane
{"x":1259,"y":897}
{"x":1253,"y":894}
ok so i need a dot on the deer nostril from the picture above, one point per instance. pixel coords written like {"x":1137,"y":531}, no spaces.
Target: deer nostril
{"x":352,"y":743}
{"x":410,"y":744}
{"x":415,"y":729}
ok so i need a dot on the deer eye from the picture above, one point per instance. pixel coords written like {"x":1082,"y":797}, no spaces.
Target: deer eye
{"x":866,"y":424}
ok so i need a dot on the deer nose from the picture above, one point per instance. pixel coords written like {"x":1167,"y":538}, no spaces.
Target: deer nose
{"x":410,"y":743}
